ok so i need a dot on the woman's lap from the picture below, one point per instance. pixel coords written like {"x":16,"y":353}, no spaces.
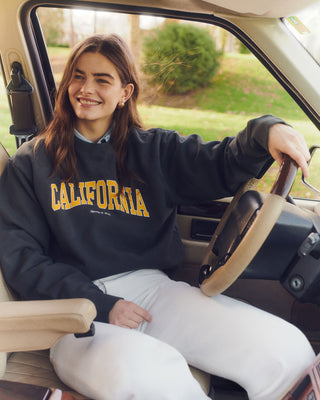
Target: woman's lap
{"x":123,"y":364}
{"x":219,"y":335}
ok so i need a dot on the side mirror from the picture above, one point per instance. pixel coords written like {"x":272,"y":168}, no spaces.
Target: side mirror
{"x":313,"y":180}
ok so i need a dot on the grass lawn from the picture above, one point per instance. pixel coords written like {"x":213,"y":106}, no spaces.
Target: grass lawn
{"x":243,"y":89}
{"x":243,"y":85}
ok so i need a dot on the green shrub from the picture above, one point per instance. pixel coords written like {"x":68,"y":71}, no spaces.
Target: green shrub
{"x":180,"y":57}
{"x":242,"y":48}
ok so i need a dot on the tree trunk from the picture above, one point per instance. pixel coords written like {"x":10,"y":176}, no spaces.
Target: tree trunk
{"x":135,"y":45}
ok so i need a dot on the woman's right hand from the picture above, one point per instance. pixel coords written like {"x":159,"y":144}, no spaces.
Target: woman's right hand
{"x":128,"y":314}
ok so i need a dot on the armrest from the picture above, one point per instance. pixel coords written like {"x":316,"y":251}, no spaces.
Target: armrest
{"x":38,"y":325}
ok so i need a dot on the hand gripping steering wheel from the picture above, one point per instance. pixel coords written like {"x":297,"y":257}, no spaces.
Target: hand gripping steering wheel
{"x":215,"y":279}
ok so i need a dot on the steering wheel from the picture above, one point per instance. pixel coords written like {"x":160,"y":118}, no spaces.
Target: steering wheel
{"x":214,"y":278}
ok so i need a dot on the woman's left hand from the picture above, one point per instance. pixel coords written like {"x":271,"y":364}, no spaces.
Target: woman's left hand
{"x":283,"y":139}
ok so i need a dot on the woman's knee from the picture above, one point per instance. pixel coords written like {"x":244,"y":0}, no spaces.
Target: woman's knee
{"x":123,"y":365}
{"x":285,"y":354}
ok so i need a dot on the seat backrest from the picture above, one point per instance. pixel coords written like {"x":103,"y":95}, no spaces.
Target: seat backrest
{"x":4,"y":157}
{"x":5,"y":294}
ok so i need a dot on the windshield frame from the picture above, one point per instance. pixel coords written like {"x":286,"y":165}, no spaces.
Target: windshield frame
{"x":305,"y":28}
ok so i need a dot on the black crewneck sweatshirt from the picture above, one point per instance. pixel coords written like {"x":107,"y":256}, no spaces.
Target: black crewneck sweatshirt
{"x":57,"y":237}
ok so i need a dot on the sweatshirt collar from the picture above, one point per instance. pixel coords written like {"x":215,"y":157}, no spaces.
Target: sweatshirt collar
{"x":105,"y":138}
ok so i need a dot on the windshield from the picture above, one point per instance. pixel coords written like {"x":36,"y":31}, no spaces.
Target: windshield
{"x":306,"y":28}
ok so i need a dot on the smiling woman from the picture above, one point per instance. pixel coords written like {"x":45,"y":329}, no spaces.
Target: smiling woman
{"x":94,"y":92}
{"x":112,"y":99}
{"x":98,"y":208}
{"x":134,"y":182}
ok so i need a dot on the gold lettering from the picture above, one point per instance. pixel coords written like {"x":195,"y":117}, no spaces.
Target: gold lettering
{"x":83,"y":199}
{"x":112,"y":193}
{"x":124,"y":203}
{"x":74,"y":201}
{"x":101,"y":194}
{"x":129,"y":193}
{"x":90,"y":186}
{"x":64,"y":197}
{"x":140,"y":205}
{"x":54,"y":203}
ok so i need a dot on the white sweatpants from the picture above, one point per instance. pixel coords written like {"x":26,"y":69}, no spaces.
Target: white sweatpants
{"x":222,"y":336}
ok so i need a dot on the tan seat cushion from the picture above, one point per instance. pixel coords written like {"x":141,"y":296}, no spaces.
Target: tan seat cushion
{"x":34,"y":367}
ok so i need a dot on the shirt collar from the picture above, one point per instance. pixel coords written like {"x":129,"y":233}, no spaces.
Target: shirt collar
{"x":105,"y":138}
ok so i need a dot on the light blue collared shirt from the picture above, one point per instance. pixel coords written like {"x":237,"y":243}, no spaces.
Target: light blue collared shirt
{"x":105,"y":138}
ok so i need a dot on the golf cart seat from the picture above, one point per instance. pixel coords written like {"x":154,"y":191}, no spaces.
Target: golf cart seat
{"x":29,"y":328}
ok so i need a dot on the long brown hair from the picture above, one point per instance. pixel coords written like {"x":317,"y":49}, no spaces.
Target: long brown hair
{"x":59,"y":135}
